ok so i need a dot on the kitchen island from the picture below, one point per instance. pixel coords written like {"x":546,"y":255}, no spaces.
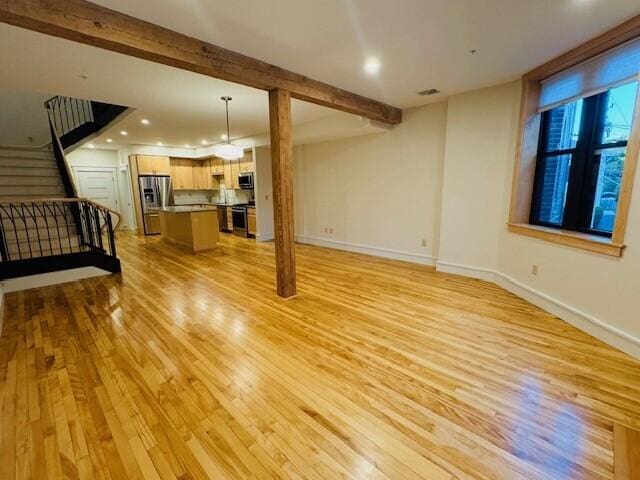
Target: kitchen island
{"x":194,"y":227}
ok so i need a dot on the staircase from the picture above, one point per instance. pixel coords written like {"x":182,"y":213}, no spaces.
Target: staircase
{"x":29,"y":173}
{"x":41,"y":236}
{"x":44,"y":226}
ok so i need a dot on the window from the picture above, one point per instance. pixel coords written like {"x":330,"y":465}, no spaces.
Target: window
{"x":581,"y":158}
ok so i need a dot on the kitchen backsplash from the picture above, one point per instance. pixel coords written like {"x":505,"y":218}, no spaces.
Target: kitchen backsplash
{"x":190,"y":197}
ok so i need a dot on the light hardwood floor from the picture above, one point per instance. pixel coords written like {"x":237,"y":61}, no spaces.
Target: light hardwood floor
{"x":189,"y":366}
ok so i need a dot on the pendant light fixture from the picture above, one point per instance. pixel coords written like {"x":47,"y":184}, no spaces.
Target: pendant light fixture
{"x":227,"y":150}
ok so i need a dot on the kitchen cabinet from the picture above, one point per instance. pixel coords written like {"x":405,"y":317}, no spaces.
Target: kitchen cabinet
{"x":153,"y":165}
{"x":200,"y":173}
{"x":251,"y":221}
{"x":189,"y":174}
{"x":182,"y":174}
{"x":229,"y":219}
{"x":235,"y":171}
{"x":231,"y":171}
{"x":216,"y":166}
{"x":246,"y":162}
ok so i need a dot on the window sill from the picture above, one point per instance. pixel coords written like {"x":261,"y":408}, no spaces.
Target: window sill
{"x":583,"y":241}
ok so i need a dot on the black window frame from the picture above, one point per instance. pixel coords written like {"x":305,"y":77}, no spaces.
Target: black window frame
{"x":584,"y":169}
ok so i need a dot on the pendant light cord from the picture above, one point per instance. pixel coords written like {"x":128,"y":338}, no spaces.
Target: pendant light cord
{"x":226,"y":102}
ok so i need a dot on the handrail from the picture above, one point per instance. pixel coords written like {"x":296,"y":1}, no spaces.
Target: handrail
{"x":47,"y":229}
{"x":72,"y":200}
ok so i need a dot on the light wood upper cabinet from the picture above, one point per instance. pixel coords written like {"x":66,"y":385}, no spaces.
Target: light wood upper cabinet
{"x":200,"y":172}
{"x":182,"y":174}
{"x":235,"y":171}
{"x":189,"y":174}
{"x":216,"y":166}
{"x":153,"y":165}
{"x":228,"y":176}
{"x":246,"y":162}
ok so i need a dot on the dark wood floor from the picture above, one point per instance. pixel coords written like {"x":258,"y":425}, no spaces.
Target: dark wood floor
{"x":189,"y":366}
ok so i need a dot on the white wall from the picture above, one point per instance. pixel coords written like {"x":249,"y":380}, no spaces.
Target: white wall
{"x":444,"y":174}
{"x":596,"y":293}
{"x":379,"y":193}
{"x":480,"y":126}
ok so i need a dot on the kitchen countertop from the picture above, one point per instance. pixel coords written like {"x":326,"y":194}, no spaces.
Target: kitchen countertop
{"x":184,"y":209}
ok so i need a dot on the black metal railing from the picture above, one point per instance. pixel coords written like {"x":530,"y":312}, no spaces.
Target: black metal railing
{"x":47,"y":235}
{"x":68,"y":114}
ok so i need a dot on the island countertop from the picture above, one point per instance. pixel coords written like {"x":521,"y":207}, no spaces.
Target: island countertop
{"x":184,"y":208}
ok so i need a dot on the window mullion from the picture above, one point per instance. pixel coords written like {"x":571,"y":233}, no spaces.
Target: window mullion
{"x":577,"y":173}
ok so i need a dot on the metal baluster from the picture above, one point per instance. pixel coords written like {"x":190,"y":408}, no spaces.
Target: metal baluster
{"x":55,"y":218}
{"x":15,"y":231}
{"x":98,"y":229}
{"x":87,"y":212}
{"x":66,"y":225}
{"x":4,"y":246}
{"x":26,"y":229}
{"x":112,"y":240}
{"x":35,"y":221}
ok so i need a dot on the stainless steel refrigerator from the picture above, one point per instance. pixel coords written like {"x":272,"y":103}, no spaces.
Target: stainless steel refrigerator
{"x":155,"y":191}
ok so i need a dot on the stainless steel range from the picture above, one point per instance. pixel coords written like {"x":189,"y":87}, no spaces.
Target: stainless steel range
{"x":240,"y":226}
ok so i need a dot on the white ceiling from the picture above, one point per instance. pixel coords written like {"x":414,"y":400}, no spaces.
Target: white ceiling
{"x":421,"y":43}
{"x":183,"y":107}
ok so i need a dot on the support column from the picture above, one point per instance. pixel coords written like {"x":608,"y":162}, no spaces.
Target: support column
{"x":282,"y":174}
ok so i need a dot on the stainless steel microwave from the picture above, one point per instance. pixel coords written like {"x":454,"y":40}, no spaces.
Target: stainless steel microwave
{"x":245,"y":180}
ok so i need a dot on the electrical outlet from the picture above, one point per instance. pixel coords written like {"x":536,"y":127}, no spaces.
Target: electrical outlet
{"x":534,"y":269}
{"x":424,"y":242}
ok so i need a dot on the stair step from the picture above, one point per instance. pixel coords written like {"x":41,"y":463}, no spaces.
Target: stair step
{"x":27,"y":153}
{"x":54,"y":244}
{"x":30,"y":191}
{"x":28,"y":162}
{"x":44,"y":234}
{"x":20,"y":171}
{"x":29,"y":181}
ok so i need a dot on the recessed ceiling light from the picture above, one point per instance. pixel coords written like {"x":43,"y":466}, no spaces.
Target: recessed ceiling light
{"x":109,"y":140}
{"x":203,"y":142}
{"x":159,"y":144}
{"x":144,"y":121}
{"x":223,"y":137}
{"x":372,"y":66}
{"x":124,"y":133}
{"x":91,"y":145}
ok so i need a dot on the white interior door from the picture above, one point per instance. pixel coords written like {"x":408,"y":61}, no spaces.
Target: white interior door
{"x":99,"y":186}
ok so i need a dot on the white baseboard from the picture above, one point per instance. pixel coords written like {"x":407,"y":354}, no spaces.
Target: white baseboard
{"x":579,"y":319}
{"x":264,"y":237}
{"x":52,"y":278}
{"x":368,"y":250}
{"x":473,"y":272}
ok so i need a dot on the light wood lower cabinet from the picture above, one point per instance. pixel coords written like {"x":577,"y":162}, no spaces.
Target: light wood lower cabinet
{"x":230,"y":219}
{"x":251,"y":221}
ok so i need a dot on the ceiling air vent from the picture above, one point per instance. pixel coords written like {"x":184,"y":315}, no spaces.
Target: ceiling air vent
{"x":431,"y":91}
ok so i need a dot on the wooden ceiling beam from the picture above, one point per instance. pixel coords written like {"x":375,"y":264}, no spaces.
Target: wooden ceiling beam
{"x":94,"y":25}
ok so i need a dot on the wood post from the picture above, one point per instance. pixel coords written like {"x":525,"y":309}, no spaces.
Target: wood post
{"x":282,"y":174}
